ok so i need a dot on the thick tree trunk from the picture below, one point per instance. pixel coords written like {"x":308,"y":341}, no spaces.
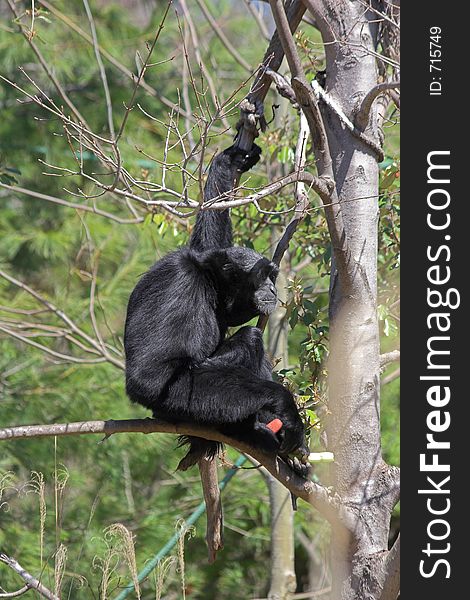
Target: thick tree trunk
{"x":353,"y":425}
{"x":282,"y":580}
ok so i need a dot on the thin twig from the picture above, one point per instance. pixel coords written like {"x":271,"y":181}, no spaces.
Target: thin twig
{"x":103,"y":351}
{"x":104,"y":80}
{"x":204,"y":70}
{"x":389,"y":378}
{"x":73,"y":205}
{"x":110,"y":58}
{"x":55,"y":82}
{"x":142,"y":72}
{"x":222,"y":37}
{"x":19,"y":592}
{"x":258,"y":18}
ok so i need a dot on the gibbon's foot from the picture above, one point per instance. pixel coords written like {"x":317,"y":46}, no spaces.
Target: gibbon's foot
{"x":243,"y":160}
{"x":199,"y":449}
{"x":303,"y":469}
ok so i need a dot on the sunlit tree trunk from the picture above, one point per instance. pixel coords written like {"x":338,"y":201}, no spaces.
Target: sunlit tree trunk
{"x":282,"y":580}
{"x":346,"y":144}
{"x":353,"y":427}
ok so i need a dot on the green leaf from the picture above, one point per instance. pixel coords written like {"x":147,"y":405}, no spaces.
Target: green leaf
{"x":294,"y":317}
{"x":285,"y":155}
{"x":8,"y":179}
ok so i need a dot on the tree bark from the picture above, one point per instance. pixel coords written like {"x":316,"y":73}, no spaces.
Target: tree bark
{"x":348,"y":153}
{"x":353,"y":425}
{"x":282,"y":580}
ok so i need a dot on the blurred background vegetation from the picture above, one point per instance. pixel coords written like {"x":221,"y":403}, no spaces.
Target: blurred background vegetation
{"x":131,"y":478}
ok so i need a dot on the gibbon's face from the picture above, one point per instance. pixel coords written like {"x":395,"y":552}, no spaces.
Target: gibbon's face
{"x":248,"y":285}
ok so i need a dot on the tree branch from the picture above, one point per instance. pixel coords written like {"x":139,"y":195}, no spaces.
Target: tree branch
{"x":75,"y":205}
{"x":119,"y":66}
{"x":313,"y":493}
{"x":389,"y":357}
{"x":301,"y":204}
{"x":321,"y":185}
{"x":19,"y":592}
{"x":258,"y":18}
{"x":283,"y":86}
{"x":391,"y":586}
{"x":273,"y":58}
{"x":104,"y":80}
{"x":356,"y":131}
{"x":104,"y":351}
{"x":55,"y":82}
{"x":222,"y":37}
{"x":309,"y":105}
{"x":362,"y":117}
{"x":275,"y":53}
{"x":31,"y":582}
{"x":393,"y":375}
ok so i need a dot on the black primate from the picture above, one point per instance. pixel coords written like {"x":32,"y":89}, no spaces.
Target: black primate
{"x":178,"y":362}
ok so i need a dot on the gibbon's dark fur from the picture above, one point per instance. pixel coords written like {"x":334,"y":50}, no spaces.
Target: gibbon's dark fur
{"x":178,"y":362}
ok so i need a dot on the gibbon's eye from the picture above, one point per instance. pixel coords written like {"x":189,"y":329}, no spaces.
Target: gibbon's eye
{"x":274,"y":273}
{"x":231,"y":273}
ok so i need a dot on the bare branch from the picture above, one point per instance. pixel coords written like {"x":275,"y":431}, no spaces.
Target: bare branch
{"x":74,"y":205}
{"x":110,"y":58}
{"x":211,"y":491}
{"x":389,"y":357}
{"x":274,"y":55}
{"x":320,"y":185}
{"x":47,"y":350}
{"x":363,"y":114}
{"x":205,"y":72}
{"x":19,"y":592}
{"x":258,"y":18}
{"x":309,"y":104}
{"x":222,"y":37}
{"x":273,"y":59}
{"x":31,"y":582}
{"x":304,"y":95}
{"x":142,"y":72}
{"x":283,"y":87}
{"x":55,"y":82}
{"x":301,"y":204}
{"x":104,"y":80}
{"x":336,"y":109}
{"x":393,"y":375}
{"x":103,"y":351}
{"x":391,"y":586}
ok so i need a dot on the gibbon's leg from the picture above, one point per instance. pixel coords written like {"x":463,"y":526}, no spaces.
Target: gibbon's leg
{"x":243,"y":349}
{"x":231,"y":398}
